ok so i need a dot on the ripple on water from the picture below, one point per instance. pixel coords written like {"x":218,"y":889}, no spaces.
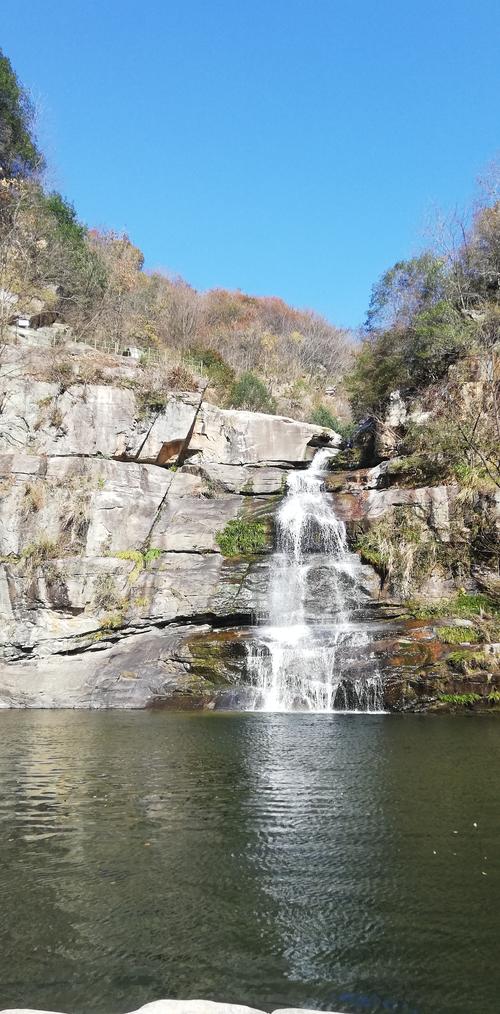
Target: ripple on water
{"x":270,"y":859}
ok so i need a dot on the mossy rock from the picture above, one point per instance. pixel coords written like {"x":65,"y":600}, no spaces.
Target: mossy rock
{"x":347,"y":460}
{"x":466,"y":657}
{"x":412,"y":654}
{"x":414,"y":470}
{"x":217,"y":657}
{"x":335,"y":481}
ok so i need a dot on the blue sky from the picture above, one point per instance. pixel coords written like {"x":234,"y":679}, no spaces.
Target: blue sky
{"x":282,"y":147}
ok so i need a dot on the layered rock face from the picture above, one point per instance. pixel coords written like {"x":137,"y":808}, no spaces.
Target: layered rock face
{"x":109,"y":514}
{"x":113,"y":588}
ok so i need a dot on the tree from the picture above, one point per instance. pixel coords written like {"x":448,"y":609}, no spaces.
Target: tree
{"x":405,"y":289}
{"x":19,"y":154}
{"x":483,"y":255}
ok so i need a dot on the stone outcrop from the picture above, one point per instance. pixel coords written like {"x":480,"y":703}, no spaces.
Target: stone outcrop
{"x":358,"y":502}
{"x":229,"y":437}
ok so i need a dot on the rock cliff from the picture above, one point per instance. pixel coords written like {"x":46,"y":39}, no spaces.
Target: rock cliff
{"x":110,"y":508}
{"x":114,"y":591}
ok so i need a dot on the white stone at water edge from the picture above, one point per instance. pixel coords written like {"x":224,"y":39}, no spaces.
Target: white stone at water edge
{"x":183,"y":1007}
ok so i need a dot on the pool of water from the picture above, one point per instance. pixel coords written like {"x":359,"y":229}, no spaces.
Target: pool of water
{"x":330,"y":861}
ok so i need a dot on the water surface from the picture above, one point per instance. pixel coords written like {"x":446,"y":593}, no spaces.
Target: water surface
{"x":321,"y":860}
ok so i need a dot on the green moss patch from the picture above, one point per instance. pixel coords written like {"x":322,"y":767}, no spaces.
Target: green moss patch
{"x":240,"y":537}
{"x":472,"y":658}
{"x":464,"y":604}
{"x":459,"y":635}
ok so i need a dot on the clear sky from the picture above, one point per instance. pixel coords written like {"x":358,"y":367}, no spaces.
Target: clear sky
{"x":282,"y":147}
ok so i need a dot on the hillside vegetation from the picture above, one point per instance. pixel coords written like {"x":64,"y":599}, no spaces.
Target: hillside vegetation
{"x":425,"y":382}
{"x":432,"y":333}
{"x":258,"y":353}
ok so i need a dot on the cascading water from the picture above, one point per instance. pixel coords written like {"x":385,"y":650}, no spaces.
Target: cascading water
{"x":305,"y":656}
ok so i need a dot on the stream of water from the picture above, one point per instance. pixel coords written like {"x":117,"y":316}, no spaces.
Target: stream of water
{"x":301,"y":658}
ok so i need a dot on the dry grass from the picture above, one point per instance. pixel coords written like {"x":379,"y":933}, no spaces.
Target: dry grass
{"x":181,"y":379}
{"x":34,"y":497}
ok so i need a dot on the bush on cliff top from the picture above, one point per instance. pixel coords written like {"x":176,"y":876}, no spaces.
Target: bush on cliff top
{"x":249,"y":392}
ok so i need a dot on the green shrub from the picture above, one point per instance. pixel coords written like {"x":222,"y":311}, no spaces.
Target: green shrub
{"x":139,"y":558}
{"x":70,"y":230}
{"x":460,"y":699}
{"x":321,"y":416}
{"x":407,"y":360}
{"x":68,"y":260}
{"x":242,"y":537}
{"x":151,"y":554}
{"x":379,"y":368}
{"x":416,"y":331}
{"x":212,"y":364}
{"x":20,"y":154}
{"x":249,"y":392}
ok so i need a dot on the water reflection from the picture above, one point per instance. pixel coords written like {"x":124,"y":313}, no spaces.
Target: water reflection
{"x":266,"y":859}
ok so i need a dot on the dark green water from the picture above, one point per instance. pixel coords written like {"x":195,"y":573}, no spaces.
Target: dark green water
{"x":326,"y":860}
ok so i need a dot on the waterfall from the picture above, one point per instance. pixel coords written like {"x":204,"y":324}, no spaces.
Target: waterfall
{"x":305,"y":655}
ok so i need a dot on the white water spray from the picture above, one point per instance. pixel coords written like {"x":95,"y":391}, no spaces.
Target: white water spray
{"x":304,"y":658}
